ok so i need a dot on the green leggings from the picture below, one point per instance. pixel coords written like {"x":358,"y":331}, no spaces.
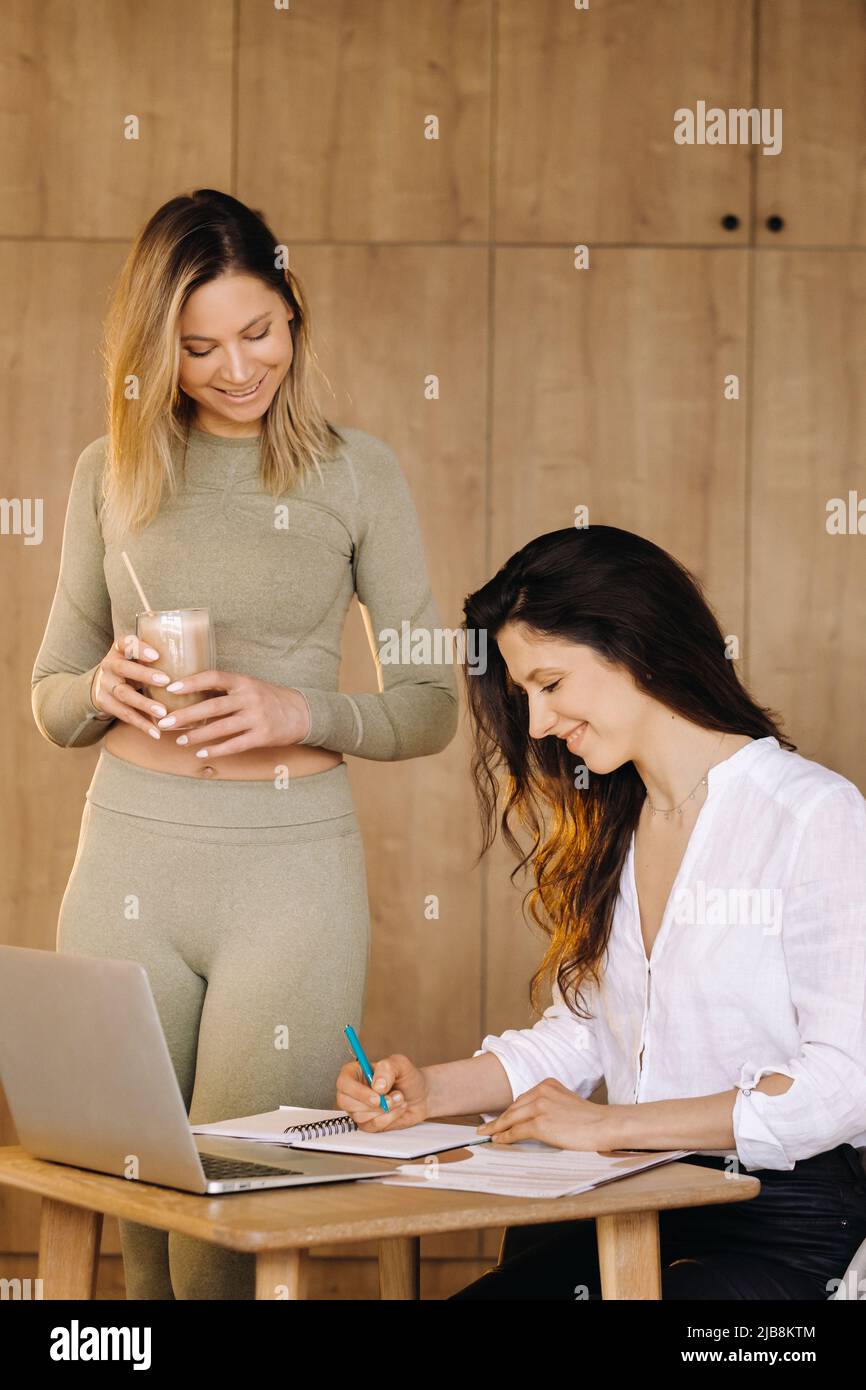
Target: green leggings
{"x":247,"y":905}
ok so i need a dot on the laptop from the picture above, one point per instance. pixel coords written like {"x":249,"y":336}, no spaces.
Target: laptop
{"x":90,"y":1082}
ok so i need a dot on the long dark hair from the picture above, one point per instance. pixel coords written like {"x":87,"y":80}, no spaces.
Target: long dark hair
{"x":635,"y":606}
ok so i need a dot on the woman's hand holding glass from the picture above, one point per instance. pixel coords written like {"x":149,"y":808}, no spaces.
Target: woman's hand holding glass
{"x":115,"y":686}
{"x":251,"y":713}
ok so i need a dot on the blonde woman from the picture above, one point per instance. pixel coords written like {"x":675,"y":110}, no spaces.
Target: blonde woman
{"x":227,"y":857}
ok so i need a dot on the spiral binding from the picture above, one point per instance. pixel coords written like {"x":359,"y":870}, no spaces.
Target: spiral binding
{"x":343,"y":1124}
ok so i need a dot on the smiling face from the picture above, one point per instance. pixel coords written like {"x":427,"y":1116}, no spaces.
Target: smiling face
{"x":573,"y":691}
{"x":234,"y":334}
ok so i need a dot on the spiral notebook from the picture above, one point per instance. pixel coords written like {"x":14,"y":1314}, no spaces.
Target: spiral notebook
{"x":336,"y":1132}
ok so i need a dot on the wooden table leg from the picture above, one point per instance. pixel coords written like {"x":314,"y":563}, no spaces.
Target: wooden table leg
{"x":400,"y":1267}
{"x":68,"y":1250}
{"x":628,"y":1255}
{"x":282,"y":1274}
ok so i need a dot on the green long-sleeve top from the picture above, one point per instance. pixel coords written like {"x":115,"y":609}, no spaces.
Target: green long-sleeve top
{"x":278,"y":577}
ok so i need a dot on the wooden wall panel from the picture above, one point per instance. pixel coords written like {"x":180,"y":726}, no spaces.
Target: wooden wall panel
{"x":51,"y":409}
{"x":73,"y":74}
{"x":609,"y":391}
{"x":585,"y":121}
{"x":332,"y":110}
{"x":813,"y":67}
{"x":807,"y":602}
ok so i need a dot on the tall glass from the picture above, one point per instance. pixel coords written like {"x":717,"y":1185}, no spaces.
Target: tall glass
{"x":184,"y":639}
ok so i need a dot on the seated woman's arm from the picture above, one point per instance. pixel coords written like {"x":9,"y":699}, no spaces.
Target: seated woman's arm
{"x":560,"y":1044}
{"x":812,"y":1102}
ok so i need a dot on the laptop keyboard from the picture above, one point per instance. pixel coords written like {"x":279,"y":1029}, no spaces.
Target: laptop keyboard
{"x":233,"y":1168}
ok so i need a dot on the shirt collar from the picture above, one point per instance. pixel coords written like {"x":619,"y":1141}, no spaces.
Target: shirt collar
{"x":738,"y":762}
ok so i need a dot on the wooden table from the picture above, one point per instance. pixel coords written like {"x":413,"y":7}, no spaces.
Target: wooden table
{"x":280,"y":1225}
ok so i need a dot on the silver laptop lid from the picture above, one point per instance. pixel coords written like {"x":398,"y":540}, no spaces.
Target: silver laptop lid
{"x":86,"y":1068}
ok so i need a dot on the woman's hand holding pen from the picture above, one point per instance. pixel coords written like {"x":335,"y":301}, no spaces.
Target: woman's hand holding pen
{"x":251,"y":714}
{"x":550,"y":1112}
{"x":402,"y":1084}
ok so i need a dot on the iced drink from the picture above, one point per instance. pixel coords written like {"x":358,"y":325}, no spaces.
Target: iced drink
{"x":184,"y":639}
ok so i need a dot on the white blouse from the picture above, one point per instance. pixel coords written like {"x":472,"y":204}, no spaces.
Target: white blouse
{"x":759,"y":965}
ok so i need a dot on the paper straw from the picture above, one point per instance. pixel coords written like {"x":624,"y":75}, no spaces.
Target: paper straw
{"x":134,"y":577}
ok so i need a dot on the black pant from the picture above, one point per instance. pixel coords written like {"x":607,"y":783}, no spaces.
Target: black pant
{"x":791,"y":1241}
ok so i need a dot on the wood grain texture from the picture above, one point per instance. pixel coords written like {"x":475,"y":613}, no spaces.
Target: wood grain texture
{"x":74,"y":74}
{"x":327,"y":1212}
{"x":609,"y":392}
{"x":585,"y":147}
{"x":817,"y":184}
{"x":68,"y":1250}
{"x":333,"y":101}
{"x":807,"y":606}
{"x":628,"y":1255}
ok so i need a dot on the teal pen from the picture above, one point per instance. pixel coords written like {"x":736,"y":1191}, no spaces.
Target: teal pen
{"x":355,"y":1044}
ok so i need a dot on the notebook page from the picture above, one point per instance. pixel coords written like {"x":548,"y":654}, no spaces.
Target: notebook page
{"x":412,"y":1142}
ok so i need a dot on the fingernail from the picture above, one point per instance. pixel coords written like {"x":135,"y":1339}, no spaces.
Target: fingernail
{"x":148,"y":651}
{"x":395,"y":1100}
{"x":175,"y":685}
{"x":167,"y":723}
{"x":201,"y":753}
{"x":183,"y":739}
{"x":154,"y":733}
{"x":158,"y":709}
{"x":159,"y":678}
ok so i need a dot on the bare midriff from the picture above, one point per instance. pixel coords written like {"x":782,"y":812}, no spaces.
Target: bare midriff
{"x":255,"y":764}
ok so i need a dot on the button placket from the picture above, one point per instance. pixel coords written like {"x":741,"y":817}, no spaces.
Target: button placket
{"x":702,"y":821}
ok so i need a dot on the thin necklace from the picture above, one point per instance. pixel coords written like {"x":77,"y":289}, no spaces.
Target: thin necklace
{"x":657,"y":810}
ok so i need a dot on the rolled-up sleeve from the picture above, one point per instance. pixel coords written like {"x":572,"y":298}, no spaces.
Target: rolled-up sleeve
{"x":824,"y":943}
{"x":558,"y":1045}
{"x":416,"y":711}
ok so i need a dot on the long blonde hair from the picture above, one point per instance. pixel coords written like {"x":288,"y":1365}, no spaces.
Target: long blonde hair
{"x":188,"y":242}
